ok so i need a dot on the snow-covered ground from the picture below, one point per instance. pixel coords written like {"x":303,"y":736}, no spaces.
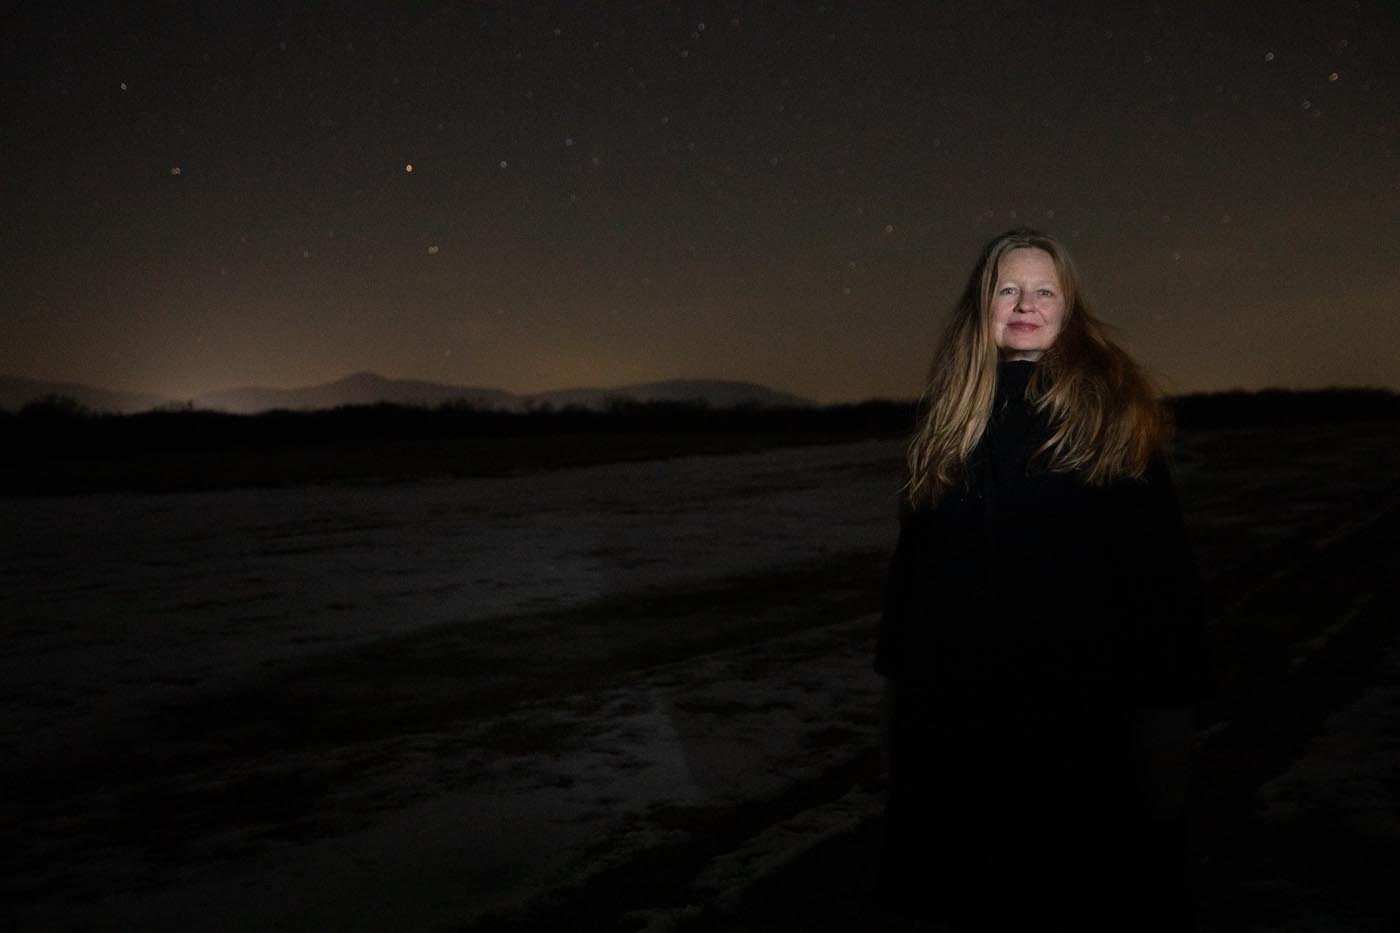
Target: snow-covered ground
{"x":125,"y":611}
{"x":115,"y":601}
{"x":421,"y":705}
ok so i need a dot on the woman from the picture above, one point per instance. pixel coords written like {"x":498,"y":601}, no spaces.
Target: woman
{"x":1042,"y":638}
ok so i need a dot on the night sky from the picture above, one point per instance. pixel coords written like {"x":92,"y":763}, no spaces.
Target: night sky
{"x":198,"y":197}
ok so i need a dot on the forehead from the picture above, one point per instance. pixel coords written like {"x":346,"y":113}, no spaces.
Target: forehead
{"x":1028,"y":262}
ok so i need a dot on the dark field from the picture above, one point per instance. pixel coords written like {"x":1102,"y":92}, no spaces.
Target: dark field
{"x":626,"y":696}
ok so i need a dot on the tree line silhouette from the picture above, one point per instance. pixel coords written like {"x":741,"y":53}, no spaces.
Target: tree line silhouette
{"x":57,"y":446}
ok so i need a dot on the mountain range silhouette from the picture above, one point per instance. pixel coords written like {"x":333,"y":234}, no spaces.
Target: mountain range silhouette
{"x":367,"y":388}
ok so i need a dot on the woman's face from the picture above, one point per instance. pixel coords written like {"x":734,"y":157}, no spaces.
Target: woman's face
{"x":1028,"y":304}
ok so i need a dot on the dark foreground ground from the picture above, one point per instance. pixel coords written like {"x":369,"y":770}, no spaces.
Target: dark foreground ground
{"x":391,"y":760}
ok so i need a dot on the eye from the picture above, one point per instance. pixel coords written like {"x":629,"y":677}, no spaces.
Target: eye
{"x":1047,"y":293}
{"x":1006,"y":290}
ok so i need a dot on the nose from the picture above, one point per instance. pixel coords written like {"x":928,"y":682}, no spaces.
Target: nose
{"x":1025,"y":302}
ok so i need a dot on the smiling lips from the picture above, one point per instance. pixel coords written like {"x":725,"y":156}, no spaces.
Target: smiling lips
{"x":1022,"y":326}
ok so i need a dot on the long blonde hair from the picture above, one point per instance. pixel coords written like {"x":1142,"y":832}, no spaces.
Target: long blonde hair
{"x":1107,"y":420}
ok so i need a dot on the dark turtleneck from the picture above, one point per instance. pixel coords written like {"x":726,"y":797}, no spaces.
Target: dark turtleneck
{"x":1014,"y":432}
{"x":1013,"y":376}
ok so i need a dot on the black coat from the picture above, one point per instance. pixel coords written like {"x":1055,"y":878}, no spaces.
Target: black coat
{"x":1028,"y":618}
